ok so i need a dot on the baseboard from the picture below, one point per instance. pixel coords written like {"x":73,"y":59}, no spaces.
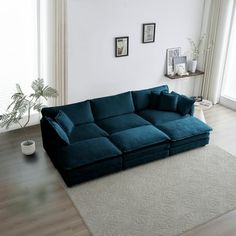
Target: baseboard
{"x":228,"y":103}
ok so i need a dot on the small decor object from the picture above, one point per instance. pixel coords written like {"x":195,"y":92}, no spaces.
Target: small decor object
{"x":149,"y":32}
{"x":192,"y":66}
{"x":121,"y":46}
{"x":180,"y":65}
{"x":195,"y":47}
{"x":28,"y":147}
{"x":23,"y":104}
{"x":170,"y":54}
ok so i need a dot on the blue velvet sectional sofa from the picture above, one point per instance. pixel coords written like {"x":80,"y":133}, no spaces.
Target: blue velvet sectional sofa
{"x":93,"y":138}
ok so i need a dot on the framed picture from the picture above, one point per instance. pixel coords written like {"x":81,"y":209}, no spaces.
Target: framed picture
{"x":121,"y":46}
{"x":170,"y":54}
{"x":180,"y":64}
{"x":149,"y":32}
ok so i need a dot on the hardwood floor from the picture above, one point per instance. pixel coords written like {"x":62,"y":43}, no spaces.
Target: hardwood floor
{"x":223,"y":122}
{"x":34,"y":202}
{"x":32,"y":198}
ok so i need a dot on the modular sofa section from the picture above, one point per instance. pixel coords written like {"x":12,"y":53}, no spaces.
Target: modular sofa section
{"x":186,"y":134}
{"x":141,"y":144}
{"x":85,"y":160}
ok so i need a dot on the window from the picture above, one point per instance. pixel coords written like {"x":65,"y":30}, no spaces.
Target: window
{"x":18,"y":47}
{"x":229,"y":80}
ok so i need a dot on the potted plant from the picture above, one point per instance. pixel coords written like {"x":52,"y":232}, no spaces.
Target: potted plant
{"x":23,"y":104}
{"x":195,"y":47}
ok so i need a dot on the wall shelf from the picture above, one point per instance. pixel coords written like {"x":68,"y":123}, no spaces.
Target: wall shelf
{"x":197,"y":73}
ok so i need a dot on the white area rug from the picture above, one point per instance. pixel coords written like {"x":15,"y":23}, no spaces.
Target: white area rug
{"x":165,"y":197}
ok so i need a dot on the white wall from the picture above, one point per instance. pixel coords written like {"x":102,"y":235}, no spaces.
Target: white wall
{"x":93,"y":70}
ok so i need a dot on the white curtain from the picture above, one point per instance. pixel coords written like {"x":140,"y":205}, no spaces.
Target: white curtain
{"x":54,"y":47}
{"x":216,"y":27}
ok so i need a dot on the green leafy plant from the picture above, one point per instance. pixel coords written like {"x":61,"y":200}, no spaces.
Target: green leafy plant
{"x":196,"y":47}
{"x":23,"y":104}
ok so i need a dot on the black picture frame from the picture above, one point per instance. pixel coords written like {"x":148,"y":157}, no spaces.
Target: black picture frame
{"x":149,"y":32}
{"x":122,"y":46}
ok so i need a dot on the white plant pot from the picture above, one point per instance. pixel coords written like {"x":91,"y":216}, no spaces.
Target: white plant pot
{"x":28,"y":147}
{"x":193,"y":66}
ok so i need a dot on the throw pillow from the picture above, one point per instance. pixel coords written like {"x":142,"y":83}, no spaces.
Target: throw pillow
{"x":64,"y":121}
{"x":185,"y":104}
{"x":154,"y":100}
{"x":61,"y":133}
{"x":168,"y":102}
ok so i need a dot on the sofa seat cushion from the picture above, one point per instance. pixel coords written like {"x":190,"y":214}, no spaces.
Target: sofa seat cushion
{"x":86,"y":152}
{"x":86,"y":131}
{"x":190,"y":140}
{"x":184,"y":128}
{"x":137,"y":138}
{"x":157,"y":117}
{"x":119,"y":123}
{"x":110,"y":106}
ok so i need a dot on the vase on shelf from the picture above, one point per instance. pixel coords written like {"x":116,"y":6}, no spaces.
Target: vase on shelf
{"x":193,"y":66}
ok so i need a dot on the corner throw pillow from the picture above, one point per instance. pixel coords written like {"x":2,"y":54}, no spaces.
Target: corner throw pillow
{"x":185,"y":103}
{"x":61,"y":133}
{"x":64,"y":121}
{"x":168,"y":102}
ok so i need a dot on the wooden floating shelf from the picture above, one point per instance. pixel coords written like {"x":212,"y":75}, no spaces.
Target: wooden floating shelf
{"x":196,"y":73}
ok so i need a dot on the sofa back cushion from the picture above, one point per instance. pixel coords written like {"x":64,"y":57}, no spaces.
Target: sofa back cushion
{"x":79,"y":113}
{"x":112,"y":106}
{"x":141,"y":97}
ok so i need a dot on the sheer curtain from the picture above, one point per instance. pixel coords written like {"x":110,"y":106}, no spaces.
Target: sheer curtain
{"x":228,"y":92}
{"x":32,"y":45}
{"x":216,"y":26}
{"x":53,"y":47}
